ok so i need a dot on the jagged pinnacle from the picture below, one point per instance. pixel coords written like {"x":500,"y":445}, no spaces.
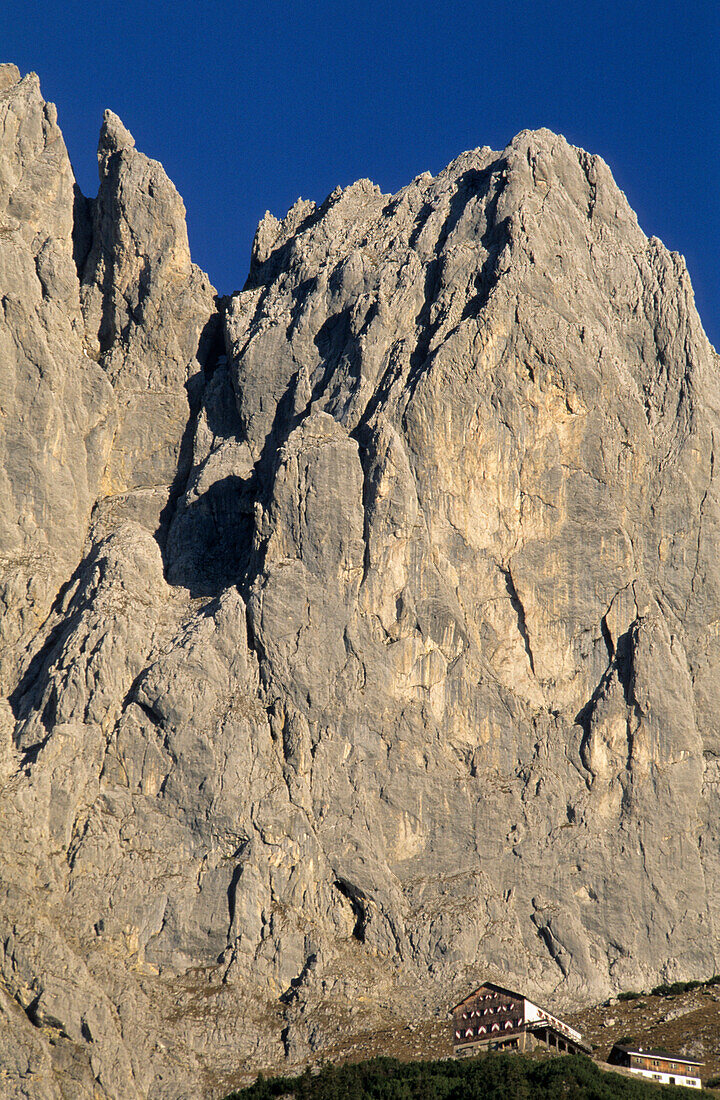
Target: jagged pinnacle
{"x":114,"y":136}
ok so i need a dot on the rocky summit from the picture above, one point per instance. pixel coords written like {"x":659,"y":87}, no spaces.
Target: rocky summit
{"x":360,"y":632}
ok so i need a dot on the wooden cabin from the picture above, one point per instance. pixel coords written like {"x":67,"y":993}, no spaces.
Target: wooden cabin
{"x":658,"y":1065}
{"x":495,"y":1018}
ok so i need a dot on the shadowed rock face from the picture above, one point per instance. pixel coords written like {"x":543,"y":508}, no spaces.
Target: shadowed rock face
{"x":367,"y":653}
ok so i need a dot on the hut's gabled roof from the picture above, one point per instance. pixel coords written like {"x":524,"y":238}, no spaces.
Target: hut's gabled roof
{"x":641,"y":1052}
{"x":495,"y":989}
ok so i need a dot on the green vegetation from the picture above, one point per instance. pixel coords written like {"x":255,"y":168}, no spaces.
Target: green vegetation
{"x":674,"y":988}
{"x":671,"y":990}
{"x":485,"y":1077}
{"x":712,"y":1083}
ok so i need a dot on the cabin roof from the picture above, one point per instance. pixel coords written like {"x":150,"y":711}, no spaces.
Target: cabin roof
{"x":495,"y":988}
{"x":643,"y":1053}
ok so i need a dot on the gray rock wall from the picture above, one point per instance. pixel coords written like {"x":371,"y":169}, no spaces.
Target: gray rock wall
{"x":360,"y":634}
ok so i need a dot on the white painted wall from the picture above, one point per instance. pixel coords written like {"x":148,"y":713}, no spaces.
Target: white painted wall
{"x":533,"y":1014}
{"x":664,"y":1078}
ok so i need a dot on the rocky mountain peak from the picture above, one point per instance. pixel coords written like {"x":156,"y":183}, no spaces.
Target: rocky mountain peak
{"x":358,"y":631}
{"x":9,"y":75}
{"x":114,"y":137}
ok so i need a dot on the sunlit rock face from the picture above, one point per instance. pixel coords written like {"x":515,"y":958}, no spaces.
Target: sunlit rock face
{"x":360,"y":632}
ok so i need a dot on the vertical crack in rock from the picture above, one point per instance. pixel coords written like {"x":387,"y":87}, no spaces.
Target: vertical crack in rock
{"x":519,"y":610}
{"x":358,"y":906}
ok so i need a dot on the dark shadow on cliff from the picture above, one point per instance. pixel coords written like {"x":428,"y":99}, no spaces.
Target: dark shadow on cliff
{"x":210,"y":347}
{"x":209,"y":540}
{"x":494,"y":240}
{"x":485,"y":186}
{"x":337,"y":346}
{"x":212,"y":537}
{"x":205,"y":540}
{"x":82,"y":229}
{"x":28,"y":693}
{"x":621,"y":665}
{"x":471,"y":185}
{"x":263,"y":274}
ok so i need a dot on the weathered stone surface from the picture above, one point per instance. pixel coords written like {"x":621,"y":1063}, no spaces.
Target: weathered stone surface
{"x":104,"y":329}
{"x":150,"y":317}
{"x":383,"y":648}
{"x":56,"y":404}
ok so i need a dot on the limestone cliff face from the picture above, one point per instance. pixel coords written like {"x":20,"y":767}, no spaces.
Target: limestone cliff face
{"x":360,"y":635}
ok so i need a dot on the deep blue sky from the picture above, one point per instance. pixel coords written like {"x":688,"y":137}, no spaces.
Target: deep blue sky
{"x":251,"y":104}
